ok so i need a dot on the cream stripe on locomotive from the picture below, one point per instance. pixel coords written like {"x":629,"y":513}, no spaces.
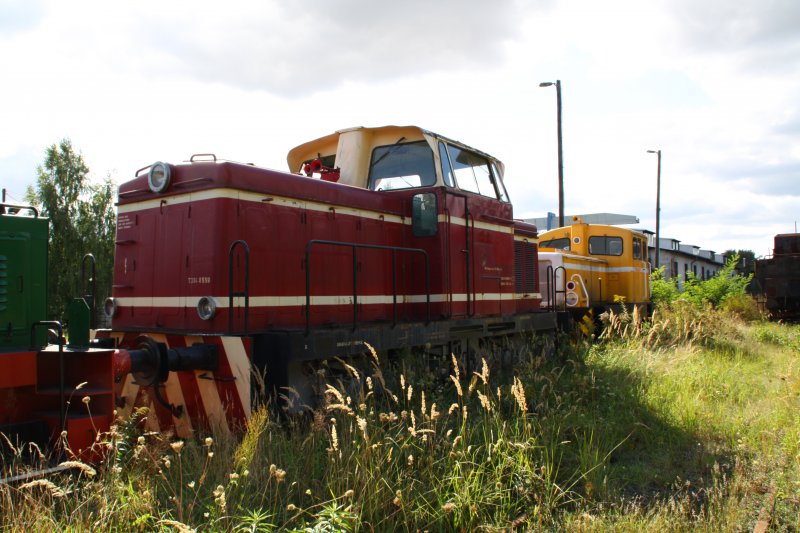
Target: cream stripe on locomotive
{"x":234,"y":194}
{"x":298,"y":301}
{"x":600,"y":268}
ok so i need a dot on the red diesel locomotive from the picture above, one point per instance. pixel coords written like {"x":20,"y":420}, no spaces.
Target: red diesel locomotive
{"x":394,"y":236}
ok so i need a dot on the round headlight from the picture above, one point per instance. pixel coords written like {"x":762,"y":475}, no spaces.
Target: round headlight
{"x":158,"y":176}
{"x":110,"y":307}
{"x":206,"y":308}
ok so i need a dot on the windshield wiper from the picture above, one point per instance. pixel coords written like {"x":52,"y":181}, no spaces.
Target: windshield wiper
{"x":389,"y":151}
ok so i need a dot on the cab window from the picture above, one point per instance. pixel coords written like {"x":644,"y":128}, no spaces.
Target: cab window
{"x":447,"y":170}
{"x":637,"y":248}
{"x":401,"y":166}
{"x":605,"y":245}
{"x":472,"y":172}
{"x":558,"y":244}
{"x":501,"y":188}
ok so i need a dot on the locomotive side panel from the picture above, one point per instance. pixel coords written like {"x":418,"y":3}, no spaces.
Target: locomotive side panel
{"x":23,"y":277}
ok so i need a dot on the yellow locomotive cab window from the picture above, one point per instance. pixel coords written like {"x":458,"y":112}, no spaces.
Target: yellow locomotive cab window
{"x":558,"y":244}
{"x":605,"y":245}
{"x":637,"y":248}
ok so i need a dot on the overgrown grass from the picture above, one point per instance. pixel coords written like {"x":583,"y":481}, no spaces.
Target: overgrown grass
{"x":687,"y":422}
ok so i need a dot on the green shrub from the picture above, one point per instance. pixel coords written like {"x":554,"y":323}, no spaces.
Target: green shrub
{"x":715,"y":291}
{"x":743,"y":306}
{"x":726,"y":284}
{"x":662,"y":291}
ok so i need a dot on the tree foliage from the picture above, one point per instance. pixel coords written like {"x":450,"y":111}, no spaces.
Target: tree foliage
{"x":745,"y":260}
{"x":82,"y":221}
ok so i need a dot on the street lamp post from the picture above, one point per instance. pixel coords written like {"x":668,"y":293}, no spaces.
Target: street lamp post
{"x":560,"y":153}
{"x":658,"y":207}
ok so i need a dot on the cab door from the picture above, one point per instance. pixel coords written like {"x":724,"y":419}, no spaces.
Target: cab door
{"x":458,"y":254}
{"x":480,"y":231}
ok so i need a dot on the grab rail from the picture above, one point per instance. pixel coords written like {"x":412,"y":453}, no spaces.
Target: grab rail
{"x":552,"y":290}
{"x":89,"y":289}
{"x":246,"y":291}
{"x":5,"y":207}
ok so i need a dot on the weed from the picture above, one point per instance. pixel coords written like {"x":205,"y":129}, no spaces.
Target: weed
{"x":680,"y":422}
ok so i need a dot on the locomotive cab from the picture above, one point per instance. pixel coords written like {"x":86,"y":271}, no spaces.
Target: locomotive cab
{"x":447,"y":182}
{"x":398,"y":157}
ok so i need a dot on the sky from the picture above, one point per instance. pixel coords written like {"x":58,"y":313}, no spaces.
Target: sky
{"x":713,"y":84}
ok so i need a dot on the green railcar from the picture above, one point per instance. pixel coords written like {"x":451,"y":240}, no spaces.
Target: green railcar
{"x":23,"y":276}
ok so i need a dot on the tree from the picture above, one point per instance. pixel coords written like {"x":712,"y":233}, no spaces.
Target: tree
{"x":746,"y":262}
{"x":82,"y":220}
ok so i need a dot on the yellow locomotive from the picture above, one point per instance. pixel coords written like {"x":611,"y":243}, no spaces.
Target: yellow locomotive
{"x":592,"y":267}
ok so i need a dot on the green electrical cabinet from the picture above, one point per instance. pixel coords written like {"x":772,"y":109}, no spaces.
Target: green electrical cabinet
{"x":23,"y":276}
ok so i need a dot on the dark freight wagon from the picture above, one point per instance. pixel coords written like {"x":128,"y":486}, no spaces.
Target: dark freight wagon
{"x":778,"y":278}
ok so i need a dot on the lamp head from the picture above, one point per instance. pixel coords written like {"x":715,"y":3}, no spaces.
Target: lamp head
{"x":546,"y":84}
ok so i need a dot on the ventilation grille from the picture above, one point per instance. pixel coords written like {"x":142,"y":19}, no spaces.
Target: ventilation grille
{"x":525,"y":272}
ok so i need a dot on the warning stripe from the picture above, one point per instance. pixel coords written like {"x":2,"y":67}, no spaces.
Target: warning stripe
{"x":191,"y":395}
{"x":240,"y":368}
{"x":174,"y":395}
{"x":218,"y":400}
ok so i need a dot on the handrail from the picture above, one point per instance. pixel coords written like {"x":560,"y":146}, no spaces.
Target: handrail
{"x":19,"y":207}
{"x":354,"y":247}
{"x":552,"y":290}
{"x":600,"y":286}
{"x":563,"y":289}
{"x":212,"y":158}
{"x":93,"y":286}
{"x":246,"y":292}
{"x":61,"y":395}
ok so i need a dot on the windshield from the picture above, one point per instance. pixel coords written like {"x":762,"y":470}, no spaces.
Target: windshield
{"x":400,"y":166}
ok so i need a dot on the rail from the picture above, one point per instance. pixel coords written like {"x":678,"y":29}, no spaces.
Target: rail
{"x":354,"y":247}
{"x":246,"y":292}
{"x":552,"y":290}
{"x":89,"y":289}
{"x":7,"y":207}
